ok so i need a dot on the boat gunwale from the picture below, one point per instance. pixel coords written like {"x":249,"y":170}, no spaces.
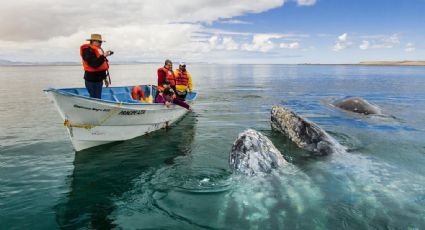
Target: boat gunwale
{"x":60,"y":91}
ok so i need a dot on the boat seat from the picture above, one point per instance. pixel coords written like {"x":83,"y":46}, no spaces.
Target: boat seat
{"x":122,"y":97}
{"x":107,"y":97}
{"x":119,"y":90}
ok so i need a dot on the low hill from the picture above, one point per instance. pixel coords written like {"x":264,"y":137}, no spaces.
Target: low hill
{"x":395,"y":63}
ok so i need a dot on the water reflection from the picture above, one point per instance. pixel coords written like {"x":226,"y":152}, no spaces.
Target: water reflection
{"x":101,"y":174}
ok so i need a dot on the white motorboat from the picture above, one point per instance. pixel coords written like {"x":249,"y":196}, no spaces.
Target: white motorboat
{"x":116,"y":117}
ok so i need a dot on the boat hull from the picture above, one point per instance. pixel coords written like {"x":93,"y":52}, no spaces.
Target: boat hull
{"x":92,"y":122}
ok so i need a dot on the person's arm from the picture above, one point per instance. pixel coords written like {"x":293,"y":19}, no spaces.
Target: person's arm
{"x":161,"y":77}
{"x":90,"y":57}
{"x":190,"y":84}
{"x":181,"y":103}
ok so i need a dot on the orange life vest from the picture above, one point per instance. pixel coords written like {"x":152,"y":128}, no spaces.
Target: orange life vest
{"x":169,"y":75}
{"x":138,"y":93}
{"x":182,"y":78}
{"x":86,"y":66}
{"x":160,"y":89}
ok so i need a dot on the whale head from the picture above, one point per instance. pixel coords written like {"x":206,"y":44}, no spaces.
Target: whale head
{"x":252,"y":153}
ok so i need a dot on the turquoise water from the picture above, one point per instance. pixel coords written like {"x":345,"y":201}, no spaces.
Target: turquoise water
{"x":179,"y":179}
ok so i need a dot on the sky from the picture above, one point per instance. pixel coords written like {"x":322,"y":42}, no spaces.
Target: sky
{"x":215,"y":31}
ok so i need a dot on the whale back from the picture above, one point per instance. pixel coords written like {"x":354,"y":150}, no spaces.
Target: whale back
{"x":305,"y":134}
{"x":358,"y":105}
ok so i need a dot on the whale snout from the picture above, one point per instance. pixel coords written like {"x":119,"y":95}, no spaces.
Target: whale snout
{"x":252,"y":153}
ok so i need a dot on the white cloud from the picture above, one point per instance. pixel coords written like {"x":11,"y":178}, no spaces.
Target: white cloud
{"x":225,"y":43}
{"x":293,"y":45}
{"x":380,"y":42}
{"x":373,"y":42}
{"x":365,"y":45}
{"x":343,"y":37}
{"x":410,"y":47}
{"x":49,"y":18}
{"x":214,"y":42}
{"x":306,"y":2}
{"x":129,"y":43}
{"x":389,"y":42}
{"x":342,"y":42}
{"x":230,"y":44}
{"x":234,"y":21}
{"x":53,"y":30}
{"x":261,"y":42}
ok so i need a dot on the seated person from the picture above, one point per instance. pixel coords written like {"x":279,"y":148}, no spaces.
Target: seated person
{"x":183,"y":81}
{"x":160,"y":89}
{"x":168,"y":98}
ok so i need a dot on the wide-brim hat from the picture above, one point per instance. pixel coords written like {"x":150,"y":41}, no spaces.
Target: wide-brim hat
{"x":96,"y":37}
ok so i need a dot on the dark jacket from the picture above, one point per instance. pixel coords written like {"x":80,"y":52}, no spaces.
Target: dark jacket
{"x":90,"y":57}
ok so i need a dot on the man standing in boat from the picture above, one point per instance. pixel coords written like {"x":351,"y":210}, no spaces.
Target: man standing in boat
{"x":166,"y":72}
{"x":95,"y":65}
{"x":183,"y":81}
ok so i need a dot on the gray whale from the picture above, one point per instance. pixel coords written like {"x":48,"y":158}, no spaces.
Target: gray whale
{"x":252,"y":152}
{"x":305,"y":134}
{"x":358,"y":105}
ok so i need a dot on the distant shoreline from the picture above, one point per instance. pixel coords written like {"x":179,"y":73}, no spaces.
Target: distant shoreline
{"x":393,"y":63}
{"x":67,"y":64}
{"x":363,"y":63}
{"x":376,"y":63}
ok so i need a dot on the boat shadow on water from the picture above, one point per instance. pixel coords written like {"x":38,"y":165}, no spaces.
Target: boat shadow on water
{"x":103,"y":173}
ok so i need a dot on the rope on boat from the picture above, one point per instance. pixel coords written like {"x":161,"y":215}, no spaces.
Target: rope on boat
{"x":68,"y":124}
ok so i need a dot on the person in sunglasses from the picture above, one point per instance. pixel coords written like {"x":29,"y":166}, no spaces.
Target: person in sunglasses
{"x":183,"y":81}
